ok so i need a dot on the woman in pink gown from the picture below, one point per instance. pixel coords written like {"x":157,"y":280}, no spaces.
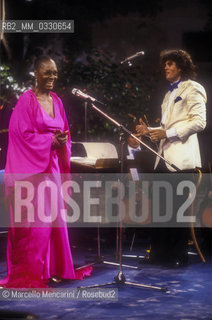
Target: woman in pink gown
{"x":39,"y":144}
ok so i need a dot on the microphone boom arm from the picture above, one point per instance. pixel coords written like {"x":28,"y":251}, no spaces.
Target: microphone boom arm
{"x":137,"y":54}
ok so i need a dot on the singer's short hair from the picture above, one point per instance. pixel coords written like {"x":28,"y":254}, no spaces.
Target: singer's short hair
{"x":39,"y":60}
{"x":183,"y":61}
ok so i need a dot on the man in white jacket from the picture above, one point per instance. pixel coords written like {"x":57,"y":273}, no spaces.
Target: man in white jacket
{"x":183,"y":116}
{"x":183,"y":113}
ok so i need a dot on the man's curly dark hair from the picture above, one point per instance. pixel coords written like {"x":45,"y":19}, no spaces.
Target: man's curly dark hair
{"x":183,"y":61}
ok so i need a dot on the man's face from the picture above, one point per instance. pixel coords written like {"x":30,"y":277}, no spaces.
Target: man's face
{"x":172,"y":72}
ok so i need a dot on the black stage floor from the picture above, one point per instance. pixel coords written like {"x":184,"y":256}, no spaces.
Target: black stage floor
{"x":189,"y":294}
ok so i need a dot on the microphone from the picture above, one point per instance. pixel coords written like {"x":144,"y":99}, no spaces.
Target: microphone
{"x":137,"y":54}
{"x":79,"y":93}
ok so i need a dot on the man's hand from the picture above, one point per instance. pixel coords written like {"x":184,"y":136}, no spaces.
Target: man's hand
{"x":141,"y":128}
{"x":157,"y":134}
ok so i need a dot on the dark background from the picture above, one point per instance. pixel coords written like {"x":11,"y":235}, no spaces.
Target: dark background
{"x":106,"y":32}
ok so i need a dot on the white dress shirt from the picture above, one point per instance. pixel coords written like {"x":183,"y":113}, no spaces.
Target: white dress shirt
{"x":172,"y":132}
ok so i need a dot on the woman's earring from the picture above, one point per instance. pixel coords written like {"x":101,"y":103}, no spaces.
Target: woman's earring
{"x":36,"y":82}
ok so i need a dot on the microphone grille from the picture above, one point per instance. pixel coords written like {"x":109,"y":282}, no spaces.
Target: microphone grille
{"x":74,"y":91}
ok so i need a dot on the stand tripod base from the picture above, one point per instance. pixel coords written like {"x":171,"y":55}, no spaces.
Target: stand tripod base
{"x":121,"y":280}
{"x":100,"y":260}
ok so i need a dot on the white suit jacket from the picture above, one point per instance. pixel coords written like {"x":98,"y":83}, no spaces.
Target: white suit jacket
{"x":187,"y":114}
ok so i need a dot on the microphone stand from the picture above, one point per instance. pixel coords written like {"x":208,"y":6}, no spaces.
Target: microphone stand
{"x":86,"y":121}
{"x":120,"y":278}
{"x":99,"y":258}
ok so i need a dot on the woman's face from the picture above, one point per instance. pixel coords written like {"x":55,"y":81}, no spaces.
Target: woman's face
{"x":46,"y":75}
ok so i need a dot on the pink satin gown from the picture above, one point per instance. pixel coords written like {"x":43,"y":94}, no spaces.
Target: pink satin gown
{"x":36,"y":252}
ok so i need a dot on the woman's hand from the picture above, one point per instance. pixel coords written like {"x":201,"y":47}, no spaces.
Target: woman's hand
{"x":59,"y":139}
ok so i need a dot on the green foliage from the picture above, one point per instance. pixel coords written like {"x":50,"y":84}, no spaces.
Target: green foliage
{"x":10,"y":90}
{"x":126,"y":90}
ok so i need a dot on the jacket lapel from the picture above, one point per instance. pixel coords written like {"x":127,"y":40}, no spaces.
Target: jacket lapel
{"x":165,"y":102}
{"x":180,"y":89}
{"x":178,"y":93}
